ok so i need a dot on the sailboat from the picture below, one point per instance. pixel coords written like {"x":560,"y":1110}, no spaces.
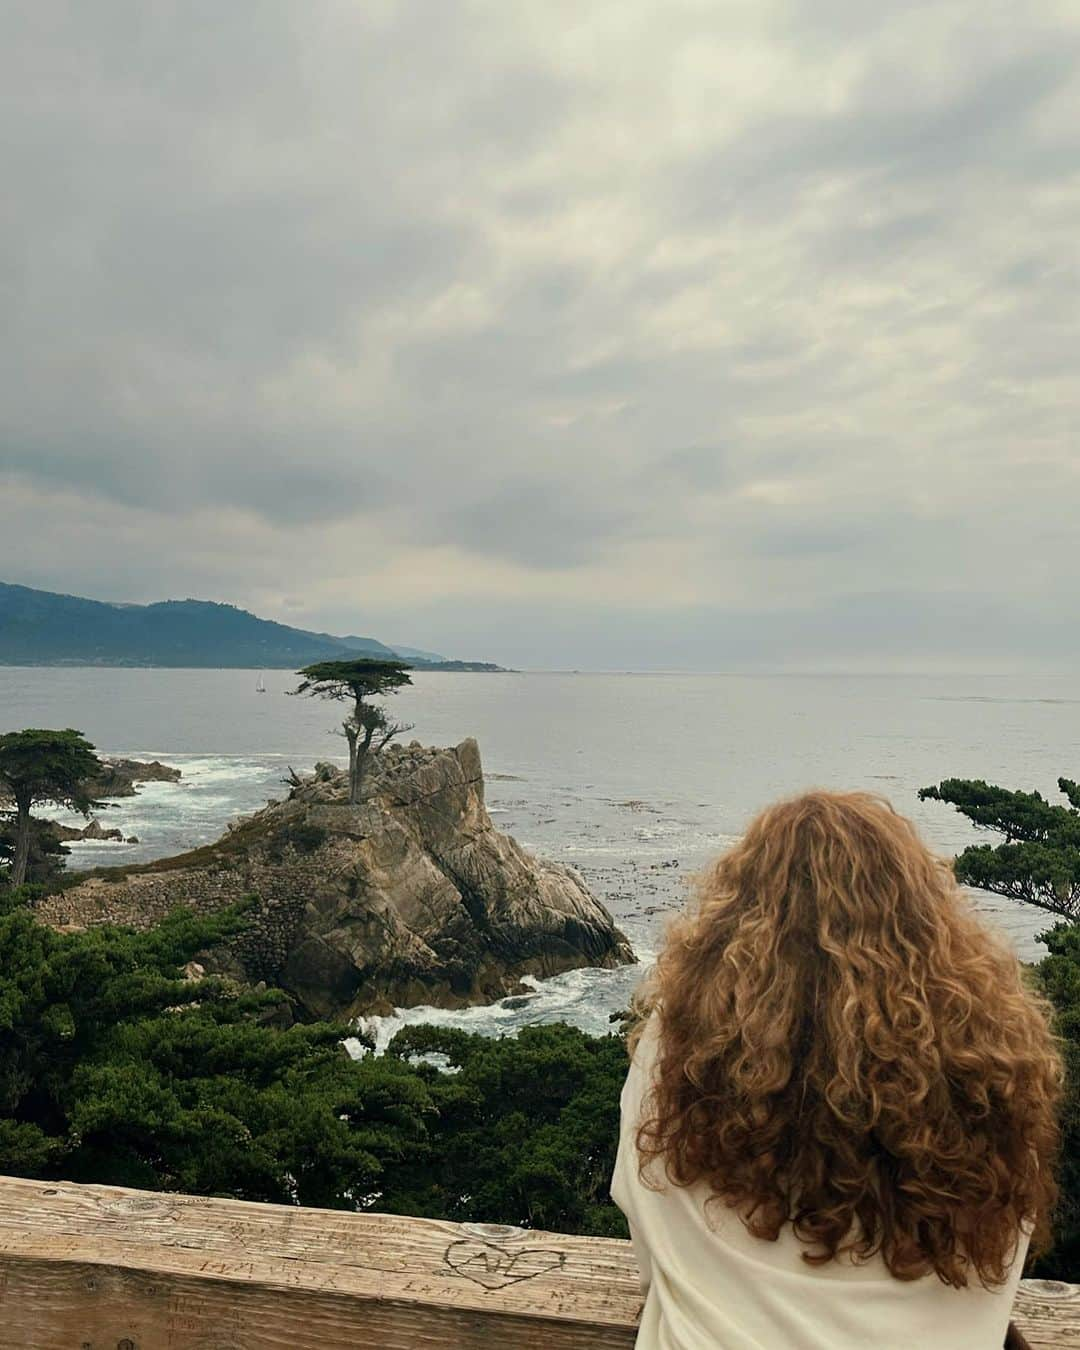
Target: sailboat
{"x":260,"y":687}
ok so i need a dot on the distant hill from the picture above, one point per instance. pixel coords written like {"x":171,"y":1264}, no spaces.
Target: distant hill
{"x":411,"y":653}
{"x":40,"y":628}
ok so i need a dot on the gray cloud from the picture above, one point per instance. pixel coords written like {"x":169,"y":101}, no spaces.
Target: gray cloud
{"x":608,"y":316}
{"x":537,"y":525}
{"x":896,"y":137}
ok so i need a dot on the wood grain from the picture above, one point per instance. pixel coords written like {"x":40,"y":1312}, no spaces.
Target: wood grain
{"x":100,"y":1268}
{"x":1048,"y":1313}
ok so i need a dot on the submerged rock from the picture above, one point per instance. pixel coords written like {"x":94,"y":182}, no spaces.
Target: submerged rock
{"x":410,"y":897}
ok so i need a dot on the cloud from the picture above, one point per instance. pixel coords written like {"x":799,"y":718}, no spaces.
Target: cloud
{"x":597,"y":315}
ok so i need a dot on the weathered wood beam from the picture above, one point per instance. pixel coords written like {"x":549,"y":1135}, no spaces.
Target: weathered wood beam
{"x":100,"y":1268}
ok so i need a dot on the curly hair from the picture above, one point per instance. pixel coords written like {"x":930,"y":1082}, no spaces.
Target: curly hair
{"x":843,"y":1047}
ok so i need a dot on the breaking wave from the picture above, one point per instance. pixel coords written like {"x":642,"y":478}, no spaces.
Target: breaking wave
{"x":584,"y":998}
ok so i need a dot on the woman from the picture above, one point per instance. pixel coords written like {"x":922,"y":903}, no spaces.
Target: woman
{"x":839,"y":1124}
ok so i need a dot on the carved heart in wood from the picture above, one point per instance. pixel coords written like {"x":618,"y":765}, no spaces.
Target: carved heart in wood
{"x":495,"y":1267}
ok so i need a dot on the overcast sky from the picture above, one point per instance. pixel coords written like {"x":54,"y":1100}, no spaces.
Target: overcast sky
{"x":713,"y":334}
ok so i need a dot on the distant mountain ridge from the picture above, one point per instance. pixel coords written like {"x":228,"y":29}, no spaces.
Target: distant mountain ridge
{"x":45,"y":628}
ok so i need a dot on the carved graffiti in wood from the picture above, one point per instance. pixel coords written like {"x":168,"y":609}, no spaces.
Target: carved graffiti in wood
{"x":495,"y":1267}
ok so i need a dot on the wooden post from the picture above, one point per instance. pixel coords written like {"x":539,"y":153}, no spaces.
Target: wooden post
{"x":100,"y":1268}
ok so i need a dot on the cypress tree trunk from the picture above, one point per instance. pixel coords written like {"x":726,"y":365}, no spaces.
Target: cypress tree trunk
{"x":22,"y":843}
{"x":361,"y":760}
{"x":351,"y":734}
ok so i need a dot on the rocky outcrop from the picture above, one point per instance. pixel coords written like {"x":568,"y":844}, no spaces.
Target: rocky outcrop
{"x":411,"y":897}
{"x":119,"y":776}
{"x":93,"y":830}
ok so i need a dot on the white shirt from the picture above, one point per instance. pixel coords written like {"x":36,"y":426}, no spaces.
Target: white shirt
{"x":720,"y":1288}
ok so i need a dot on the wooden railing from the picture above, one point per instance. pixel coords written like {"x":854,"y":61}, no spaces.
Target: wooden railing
{"x":99,"y":1268}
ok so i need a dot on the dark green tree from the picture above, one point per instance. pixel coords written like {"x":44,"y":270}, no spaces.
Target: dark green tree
{"x":525,"y":1132}
{"x":1058,"y":977}
{"x":46,"y":856}
{"x":44,"y":766}
{"x":115,"y":1069}
{"x":1038,"y":861}
{"x":368,"y":726}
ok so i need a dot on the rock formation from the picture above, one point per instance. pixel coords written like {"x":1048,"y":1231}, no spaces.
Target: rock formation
{"x":93,"y":830}
{"x":411,"y":897}
{"x":119,"y":776}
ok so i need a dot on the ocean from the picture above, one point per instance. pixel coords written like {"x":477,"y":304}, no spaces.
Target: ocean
{"x":635,"y":779}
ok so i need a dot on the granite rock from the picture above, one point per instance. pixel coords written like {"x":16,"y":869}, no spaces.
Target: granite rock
{"x":410,"y":897}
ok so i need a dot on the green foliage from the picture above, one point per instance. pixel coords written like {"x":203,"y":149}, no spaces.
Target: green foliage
{"x":46,"y":854}
{"x":1071,"y":791}
{"x":115,"y":1069}
{"x":14,"y":898}
{"x":305,"y":837}
{"x":355,"y":680}
{"x":1038,"y":863}
{"x":1039,"y":860}
{"x":48,"y":766}
{"x":1058,"y":976}
{"x":525,"y":1131}
{"x":43,"y":766}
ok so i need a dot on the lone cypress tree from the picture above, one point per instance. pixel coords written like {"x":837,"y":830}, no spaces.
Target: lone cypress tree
{"x":44,"y":766}
{"x":367,"y":724}
{"x":1039,"y":860}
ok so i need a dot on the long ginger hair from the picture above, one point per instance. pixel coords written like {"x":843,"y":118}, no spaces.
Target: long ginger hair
{"x":843,"y":1047}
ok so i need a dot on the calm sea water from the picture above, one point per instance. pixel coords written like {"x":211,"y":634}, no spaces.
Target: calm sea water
{"x":635,"y":779}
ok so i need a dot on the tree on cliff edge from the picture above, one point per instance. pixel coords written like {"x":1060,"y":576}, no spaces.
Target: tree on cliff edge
{"x":367,"y":724}
{"x":1039,"y":860}
{"x":44,"y":766}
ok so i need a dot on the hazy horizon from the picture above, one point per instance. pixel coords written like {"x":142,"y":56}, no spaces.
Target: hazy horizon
{"x":595,"y":335}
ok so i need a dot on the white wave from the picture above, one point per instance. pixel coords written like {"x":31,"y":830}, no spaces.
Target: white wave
{"x":221,"y":770}
{"x":88,"y":845}
{"x":584,"y":998}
